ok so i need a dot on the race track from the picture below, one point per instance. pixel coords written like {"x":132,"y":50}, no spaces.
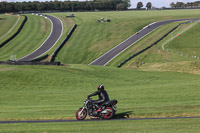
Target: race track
{"x":111,"y":54}
{"x":56,"y":32}
{"x":90,"y":120}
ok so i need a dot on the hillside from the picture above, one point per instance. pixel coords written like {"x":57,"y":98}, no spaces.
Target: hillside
{"x":33,"y":34}
{"x":9,"y":25}
{"x":174,"y":53}
{"x":157,"y":84}
{"x":91,"y":39}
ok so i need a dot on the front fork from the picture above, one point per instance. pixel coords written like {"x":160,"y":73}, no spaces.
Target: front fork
{"x":82,"y":110}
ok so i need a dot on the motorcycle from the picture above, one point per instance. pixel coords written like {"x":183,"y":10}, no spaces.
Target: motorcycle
{"x":105,"y":111}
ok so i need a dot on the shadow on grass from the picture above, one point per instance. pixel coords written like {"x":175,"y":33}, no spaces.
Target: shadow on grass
{"x":123,"y":115}
{"x":2,"y":18}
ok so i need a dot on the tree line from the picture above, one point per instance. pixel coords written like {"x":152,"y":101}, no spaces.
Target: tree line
{"x":65,"y":6}
{"x":185,"y":5}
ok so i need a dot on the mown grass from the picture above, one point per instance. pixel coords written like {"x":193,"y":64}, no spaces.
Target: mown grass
{"x":145,"y":42}
{"x":184,"y":47}
{"x":33,"y":34}
{"x":150,"y":126}
{"x":188,"y":42}
{"x":92,"y":39}
{"x":67,"y":25}
{"x":49,"y":92}
{"x":7,"y":22}
{"x":56,"y":92}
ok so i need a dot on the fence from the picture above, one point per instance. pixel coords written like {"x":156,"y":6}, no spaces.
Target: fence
{"x":173,"y":37}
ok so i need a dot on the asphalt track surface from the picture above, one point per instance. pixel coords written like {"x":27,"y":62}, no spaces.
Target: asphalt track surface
{"x":111,"y":54}
{"x":56,"y":32}
{"x":90,"y":120}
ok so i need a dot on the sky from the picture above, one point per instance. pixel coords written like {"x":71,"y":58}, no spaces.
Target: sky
{"x":155,"y":3}
{"x":158,"y":3}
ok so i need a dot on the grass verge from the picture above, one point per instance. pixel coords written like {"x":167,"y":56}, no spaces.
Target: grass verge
{"x":34,"y":33}
{"x":50,"y":92}
{"x":151,"y":126}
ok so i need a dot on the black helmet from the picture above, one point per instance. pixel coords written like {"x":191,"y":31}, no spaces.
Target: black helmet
{"x":100,"y":87}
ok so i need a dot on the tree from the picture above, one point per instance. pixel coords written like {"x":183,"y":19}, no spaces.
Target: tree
{"x":139,"y":5}
{"x":180,"y":4}
{"x":66,"y":5}
{"x":172,"y":5}
{"x":149,"y":5}
{"x":120,"y":6}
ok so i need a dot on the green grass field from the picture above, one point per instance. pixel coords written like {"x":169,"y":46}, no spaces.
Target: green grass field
{"x":47,"y":92}
{"x":6,"y":22}
{"x":56,"y":92}
{"x":9,"y":25}
{"x":142,"y":90}
{"x":180,"y":53}
{"x":92,"y":39}
{"x":33,"y":34}
{"x":150,"y":126}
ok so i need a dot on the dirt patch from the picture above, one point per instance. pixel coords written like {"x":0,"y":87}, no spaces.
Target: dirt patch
{"x":185,"y":67}
{"x":44,"y":25}
{"x":69,"y":22}
{"x":7,"y":69}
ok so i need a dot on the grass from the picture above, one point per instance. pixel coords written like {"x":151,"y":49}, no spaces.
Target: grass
{"x":188,"y":42}
{"x":56,"y":92}
{"x":157,"y":59}
{"x":9,"y":25}
{"x":52,"y":92}
{"x":147,"y":41}
{"x":92,"y":39}
{"x":67,"y":25}
{"x":151,"y":126}
{"x":33,"y":34}
{"x":48,"y":92}
{"x":6,"y":22}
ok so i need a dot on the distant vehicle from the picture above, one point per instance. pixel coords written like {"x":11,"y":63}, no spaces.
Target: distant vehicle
{"x":106,"y":110}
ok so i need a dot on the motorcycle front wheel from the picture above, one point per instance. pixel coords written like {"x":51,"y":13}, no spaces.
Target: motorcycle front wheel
{"x":81,"y":115}
{"x":110,"y":113}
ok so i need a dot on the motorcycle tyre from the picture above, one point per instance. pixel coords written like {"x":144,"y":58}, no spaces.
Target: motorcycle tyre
{"x":110,"y":115}
{"x":84,"y":114}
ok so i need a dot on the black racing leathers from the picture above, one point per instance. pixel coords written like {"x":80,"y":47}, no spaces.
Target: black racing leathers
{"x":103,"y":96}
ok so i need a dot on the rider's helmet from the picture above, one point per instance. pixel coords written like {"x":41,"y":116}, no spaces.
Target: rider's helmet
{"x":100,"y":87}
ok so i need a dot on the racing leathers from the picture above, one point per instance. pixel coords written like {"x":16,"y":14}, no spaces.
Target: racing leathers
{"x":103,"y":97}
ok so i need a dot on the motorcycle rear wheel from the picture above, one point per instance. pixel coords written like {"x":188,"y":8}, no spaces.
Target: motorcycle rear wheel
{"x":110,"y":114}
{"x":81,"y":115}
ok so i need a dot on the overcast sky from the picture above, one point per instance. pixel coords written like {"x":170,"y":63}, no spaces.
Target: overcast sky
{"x":156,"y":3}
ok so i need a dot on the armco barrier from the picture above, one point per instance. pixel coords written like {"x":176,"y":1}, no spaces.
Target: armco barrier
{"x":29,"y":63}
{"x":141,"y":51}
{"x":63,"y":43}
{"x":16,"y":33}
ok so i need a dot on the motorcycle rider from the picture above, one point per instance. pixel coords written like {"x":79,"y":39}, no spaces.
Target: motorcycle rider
{"x":103,"y":95}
